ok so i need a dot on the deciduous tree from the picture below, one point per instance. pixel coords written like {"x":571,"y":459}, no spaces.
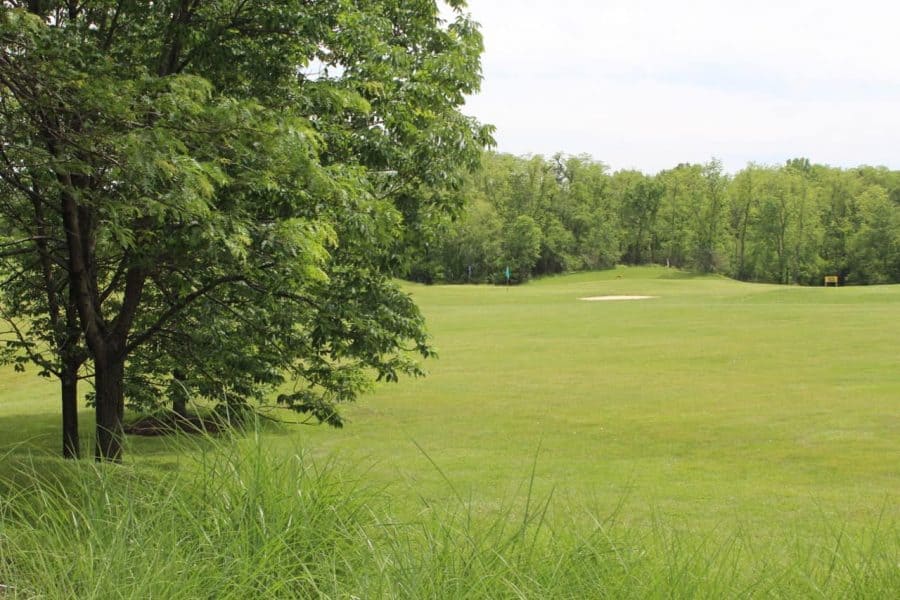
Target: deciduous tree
{"x":225,"y":169}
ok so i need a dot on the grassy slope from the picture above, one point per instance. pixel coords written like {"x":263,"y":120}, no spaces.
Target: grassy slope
{"x":717,"y":405}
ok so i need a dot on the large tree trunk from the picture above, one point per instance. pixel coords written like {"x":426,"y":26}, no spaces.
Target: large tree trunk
{"x":109,"y":378}
{"x":71,"y":446}
{"x":72,"y":359}
{"x":106,"y":341}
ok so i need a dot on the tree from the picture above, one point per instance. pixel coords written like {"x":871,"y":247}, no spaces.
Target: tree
{"x":639,"y":201}
{"x":837,"y":191}
{"x":874,"y":248}
{"x":682,"y":192}
{"x":710,"y":215}
{"x":589,"y":212}
{"x":470,"y":250}
{"x":522,"y":246}
{"x":223,"y":168}
{"x":39,"y":309}
{"x":805,"y":234}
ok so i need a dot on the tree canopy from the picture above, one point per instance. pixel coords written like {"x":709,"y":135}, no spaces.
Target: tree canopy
{"x":215,"y":194}
{"x":789,"y":224}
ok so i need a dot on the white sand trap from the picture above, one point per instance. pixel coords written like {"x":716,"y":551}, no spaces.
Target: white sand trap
{"x":606,"y":298}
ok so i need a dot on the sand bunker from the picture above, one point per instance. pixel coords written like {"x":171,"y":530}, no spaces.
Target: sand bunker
{"x":605,"y":298}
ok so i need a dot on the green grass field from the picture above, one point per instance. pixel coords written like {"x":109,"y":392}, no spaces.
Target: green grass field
{"x":717,"y":410}
{"x":715,"y":404}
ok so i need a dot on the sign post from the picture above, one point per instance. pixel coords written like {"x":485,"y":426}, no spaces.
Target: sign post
{"x":507,"y":273}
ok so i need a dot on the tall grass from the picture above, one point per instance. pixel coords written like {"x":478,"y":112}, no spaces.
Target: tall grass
{"x":230,"y":522}
{"x":233,"y":520}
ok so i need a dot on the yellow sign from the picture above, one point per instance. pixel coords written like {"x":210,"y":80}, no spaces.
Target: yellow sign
{"x":831,"y":279}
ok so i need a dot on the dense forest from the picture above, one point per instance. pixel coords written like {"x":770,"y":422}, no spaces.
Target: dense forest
{"x":789,"y":224}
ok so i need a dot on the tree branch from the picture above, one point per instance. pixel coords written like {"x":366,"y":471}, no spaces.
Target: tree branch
{"x":176,"y":308}
{"x":135,"y":278}
{"x":26,"y":345}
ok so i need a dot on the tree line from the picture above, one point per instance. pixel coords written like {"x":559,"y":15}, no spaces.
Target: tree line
{"x":789,"y":224}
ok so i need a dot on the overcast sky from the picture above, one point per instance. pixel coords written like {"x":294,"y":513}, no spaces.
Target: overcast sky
{"x":650,"y":83}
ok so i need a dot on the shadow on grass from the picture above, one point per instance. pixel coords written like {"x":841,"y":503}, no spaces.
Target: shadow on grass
{"x":32,"y":433}
{"x":29,"y":436}
{"x":33,"y":442}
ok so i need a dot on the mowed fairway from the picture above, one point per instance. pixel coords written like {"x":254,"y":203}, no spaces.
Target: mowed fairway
{"x":718,"y":405}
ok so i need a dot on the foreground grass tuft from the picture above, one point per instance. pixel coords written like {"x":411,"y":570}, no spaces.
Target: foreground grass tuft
{"x":234,"y":522}
{"x":237,"y":521}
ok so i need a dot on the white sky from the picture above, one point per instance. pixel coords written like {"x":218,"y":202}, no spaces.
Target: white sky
{"x":650,"y":83}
